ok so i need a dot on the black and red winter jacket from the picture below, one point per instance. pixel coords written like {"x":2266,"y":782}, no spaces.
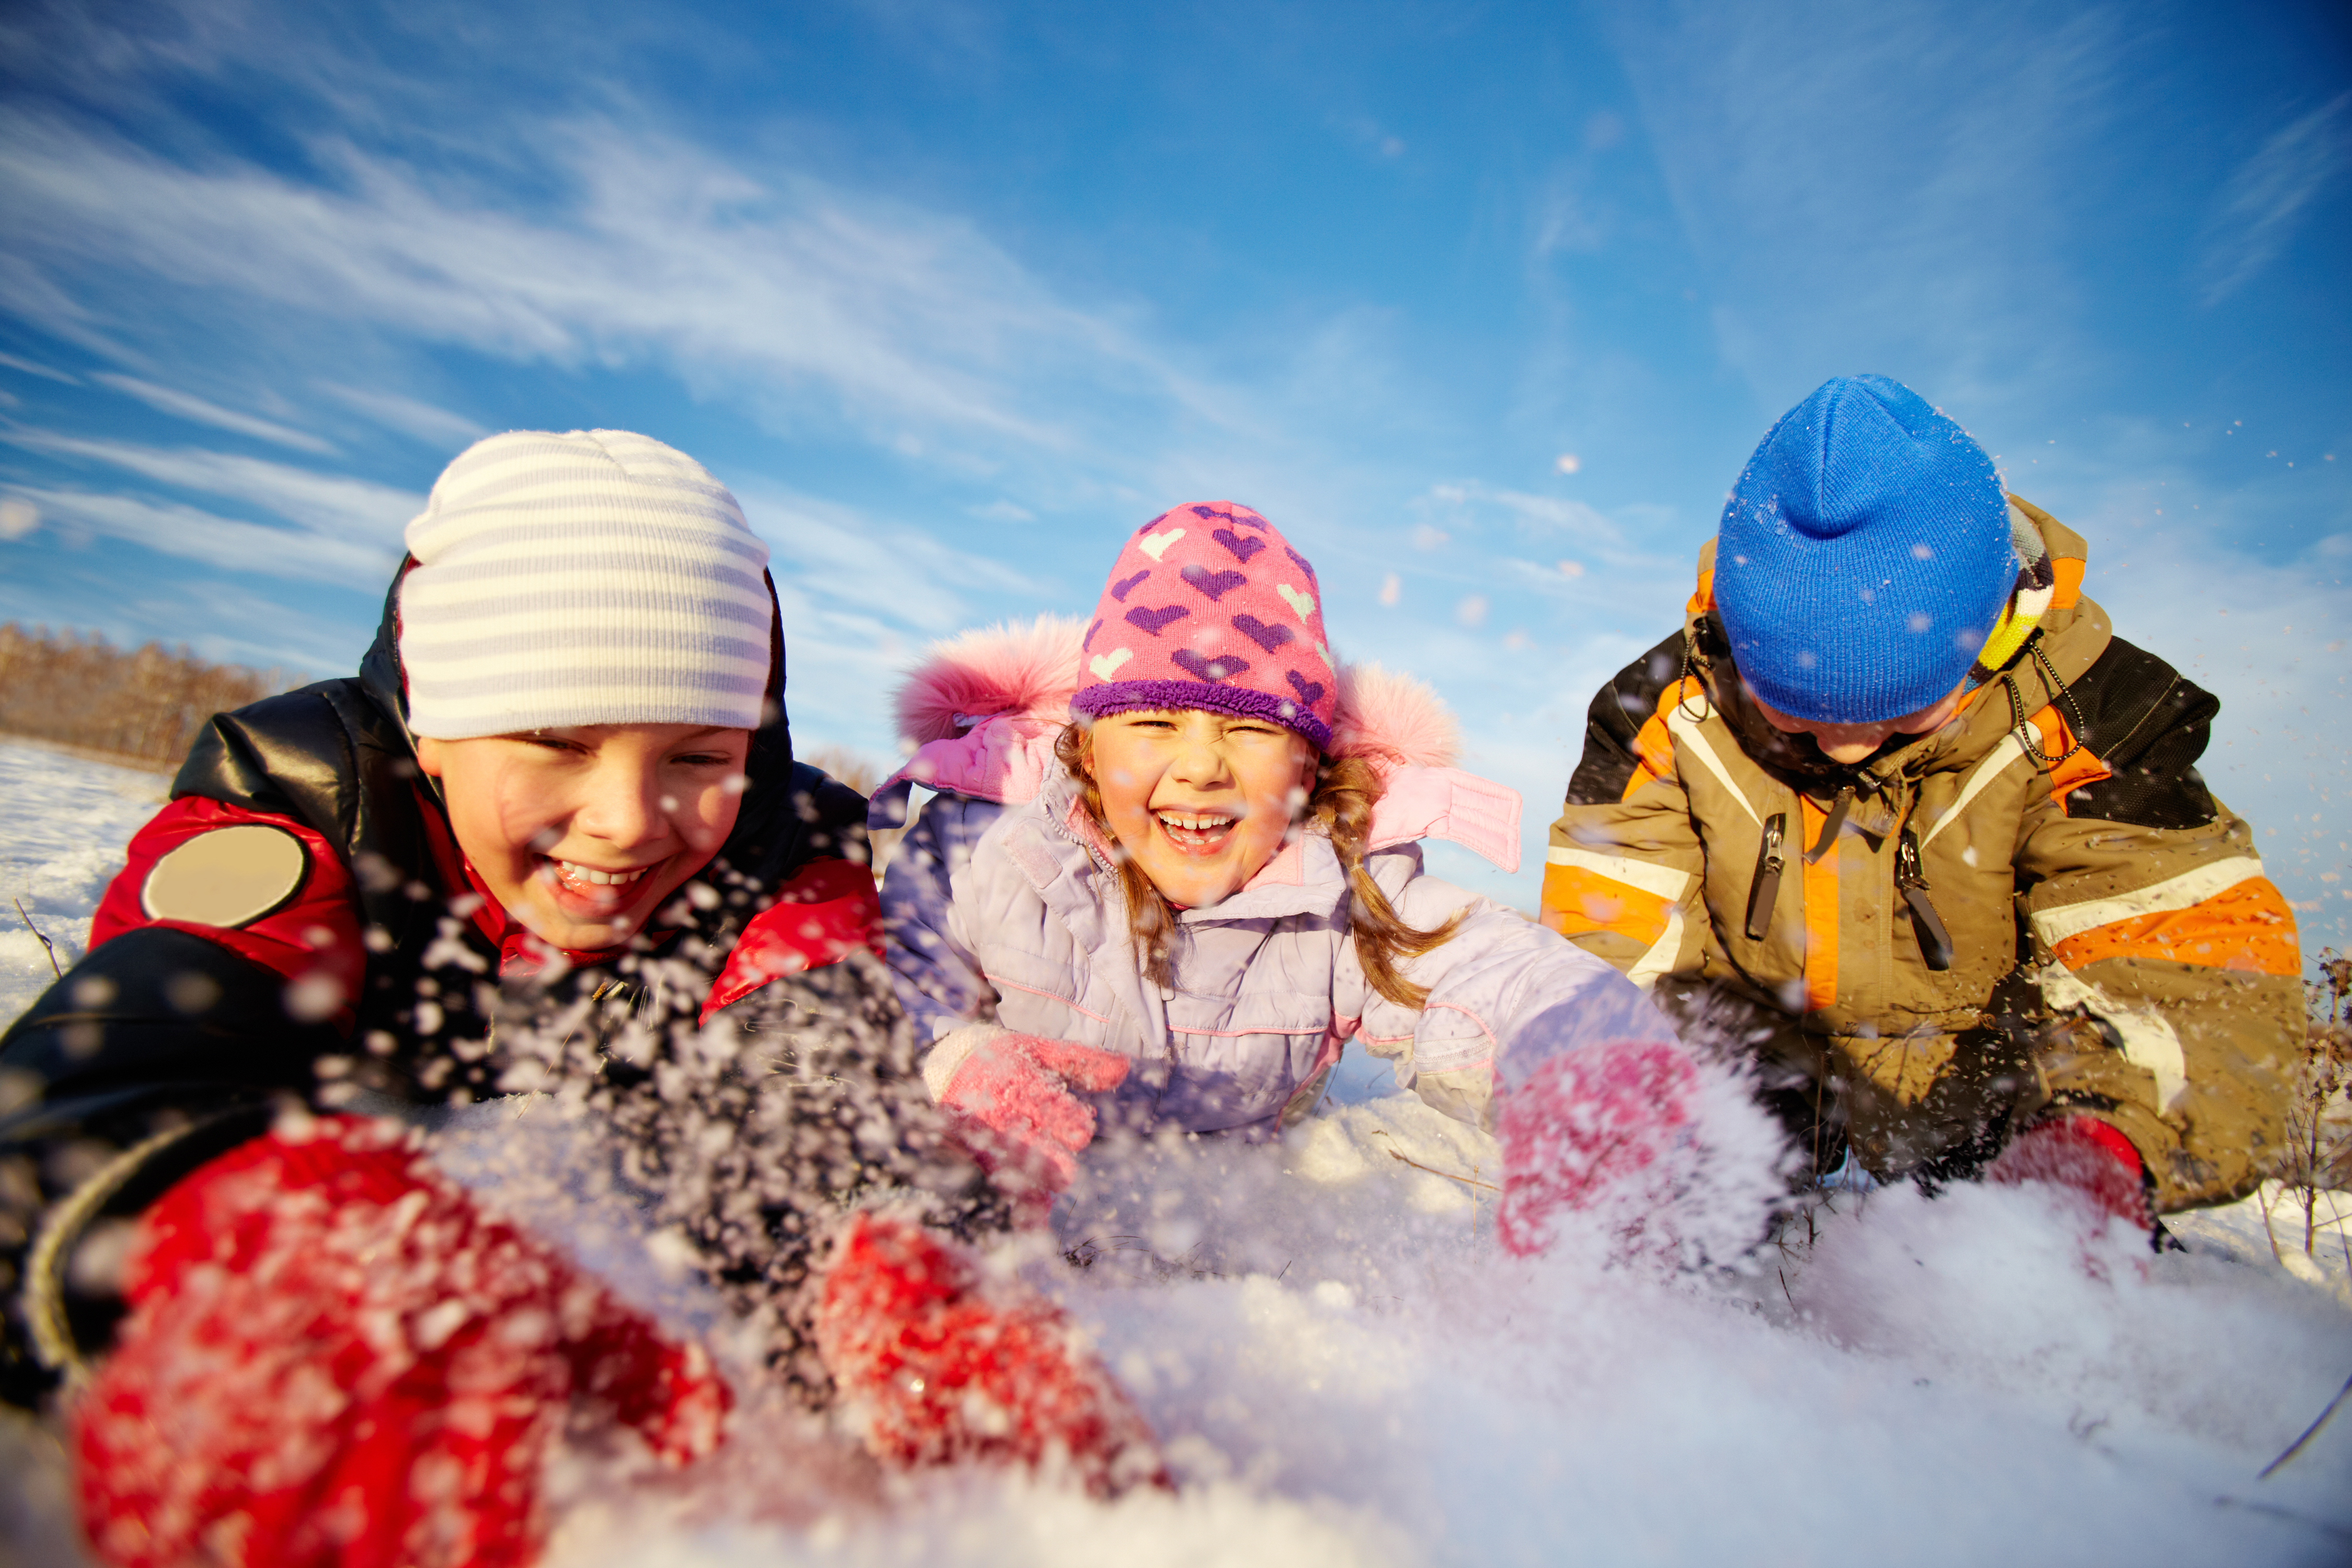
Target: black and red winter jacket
{"x":361,"y":971}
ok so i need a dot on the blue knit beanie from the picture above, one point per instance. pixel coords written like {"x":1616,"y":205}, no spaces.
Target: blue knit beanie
{"x":1864,"y":557}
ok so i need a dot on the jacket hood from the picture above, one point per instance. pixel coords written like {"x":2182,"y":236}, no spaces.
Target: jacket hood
{"x":1028,"y":673}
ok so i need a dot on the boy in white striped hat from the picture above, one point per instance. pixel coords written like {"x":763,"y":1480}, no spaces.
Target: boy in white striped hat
{"x":560,"y":792}
{"x":587,"y":636}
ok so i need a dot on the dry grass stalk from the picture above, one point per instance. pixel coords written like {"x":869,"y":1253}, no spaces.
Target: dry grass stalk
{"x":2317,"y":1161}
{"x":78,"y":689}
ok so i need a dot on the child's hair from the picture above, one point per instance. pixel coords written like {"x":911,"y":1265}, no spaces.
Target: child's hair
{"x":1346,"y":789}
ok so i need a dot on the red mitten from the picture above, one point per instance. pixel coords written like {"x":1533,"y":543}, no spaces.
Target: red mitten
{"x":939,"y":1365}
{"x":333,"y":1358}
{"x":1589,"y":1129}
{"x":2082,"y":1154}
{"x":1016,"y":1088}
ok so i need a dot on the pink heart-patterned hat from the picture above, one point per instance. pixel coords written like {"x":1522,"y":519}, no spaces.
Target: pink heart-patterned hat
{"x":1209,"y":606}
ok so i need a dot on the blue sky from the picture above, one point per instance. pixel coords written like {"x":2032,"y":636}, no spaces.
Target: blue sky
{"x":955,"y":296}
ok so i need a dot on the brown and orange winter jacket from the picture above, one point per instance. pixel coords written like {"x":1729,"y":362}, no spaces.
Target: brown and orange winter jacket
{"x":2039,"y":906}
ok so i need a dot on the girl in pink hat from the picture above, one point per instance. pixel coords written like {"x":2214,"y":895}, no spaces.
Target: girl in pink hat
{"x":1173,"y":867}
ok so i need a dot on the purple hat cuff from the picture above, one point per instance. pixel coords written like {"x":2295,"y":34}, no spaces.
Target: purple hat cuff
{"x":1239,"y":701}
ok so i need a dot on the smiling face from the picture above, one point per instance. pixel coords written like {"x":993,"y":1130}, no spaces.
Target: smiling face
{"x":1853,"y":742}
{"x":582,"y":833}
{"x":1200,"y":799}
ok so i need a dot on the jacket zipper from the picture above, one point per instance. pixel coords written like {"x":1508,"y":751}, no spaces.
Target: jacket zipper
{"x":1935,"y":941}
{"x":1764,"y":887}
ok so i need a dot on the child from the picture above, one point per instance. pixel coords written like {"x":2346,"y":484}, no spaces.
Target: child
{"x":1891,"y":739}
{"x":561,"y":788}
{"x":1172,"y":869}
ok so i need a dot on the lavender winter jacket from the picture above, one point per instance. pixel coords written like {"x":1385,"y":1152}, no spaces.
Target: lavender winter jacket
{"x":1001,"y":909}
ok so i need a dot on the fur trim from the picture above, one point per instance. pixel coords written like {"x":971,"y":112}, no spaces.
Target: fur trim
{"x":1031,"y":671}
{"x":1393,"y":718}
{"x":1005,"y":669}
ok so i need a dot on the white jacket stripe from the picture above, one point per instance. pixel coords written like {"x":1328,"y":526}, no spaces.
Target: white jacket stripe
{"x":1663,"y":954}
{"x":1664,"y":880}
{"x":1685,"y":729}
{"x":2010,"y":750}
{"x":2190,"y":888}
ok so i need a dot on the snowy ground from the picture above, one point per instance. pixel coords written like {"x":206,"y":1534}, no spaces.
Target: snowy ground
{"x":63,"y":823}
{"x":1345,"y":1370}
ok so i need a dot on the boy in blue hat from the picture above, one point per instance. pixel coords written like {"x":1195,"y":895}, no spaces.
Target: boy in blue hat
{"x":1897,"y":808}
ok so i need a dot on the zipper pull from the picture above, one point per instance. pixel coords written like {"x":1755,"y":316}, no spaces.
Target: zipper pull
{"x":1935,"y":941}
{"x":1764,"y":887}
{"x":1831,"y":826}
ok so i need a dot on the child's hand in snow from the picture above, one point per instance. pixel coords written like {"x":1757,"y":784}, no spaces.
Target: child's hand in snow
{"x":333,"y":1358}
{"x":937,"y":1363}
{"x":1016,"y":1088}
{"x":1670,"y":1156}
{"x":2083,"y":1155}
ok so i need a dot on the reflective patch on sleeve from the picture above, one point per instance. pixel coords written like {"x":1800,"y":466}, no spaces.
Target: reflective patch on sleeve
{"x":2190,"y":888}
{"x":2150,"y":1039}
{"x":229,"y":876}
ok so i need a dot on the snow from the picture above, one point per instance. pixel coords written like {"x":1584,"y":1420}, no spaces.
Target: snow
{"x":1345,"y":1370}
{"x":63,"y":823}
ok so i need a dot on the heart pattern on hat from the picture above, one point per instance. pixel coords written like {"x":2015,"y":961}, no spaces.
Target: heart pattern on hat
{"x":1241,"y":545}
{"x":1224,"y":666}
{"x":1265,"y":636}
{"x":1215,"y":584}
{"x":1165,"y":574}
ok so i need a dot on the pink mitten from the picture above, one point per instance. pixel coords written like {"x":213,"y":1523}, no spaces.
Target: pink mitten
{"x":2082,"y":1154}
{"x":1016,"y":1088}
{"x":1590,"y":1129}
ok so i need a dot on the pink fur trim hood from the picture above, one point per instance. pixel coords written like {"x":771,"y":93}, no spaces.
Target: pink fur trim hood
{"x":983,"y":708}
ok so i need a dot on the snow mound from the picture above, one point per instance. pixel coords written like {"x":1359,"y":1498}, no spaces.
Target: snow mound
{"x":61,"y":842}
{"x":1345,"y":1369}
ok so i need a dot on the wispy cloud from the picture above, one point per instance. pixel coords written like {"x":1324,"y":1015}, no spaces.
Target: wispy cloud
{"x":433,"y":426}
{"x":903,"y":576}
{"x":327,"y":505}
{"x":225,"y":545}
{"x":860,"y":595}
{"x":2260,"y":208}
{"x":1854,"y":179}
{"x":181,"y":406}
{"x":901,"y":317}
{"x":30,"y":368}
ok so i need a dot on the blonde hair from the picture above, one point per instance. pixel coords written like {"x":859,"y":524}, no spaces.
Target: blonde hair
{"x":1346,"y":789}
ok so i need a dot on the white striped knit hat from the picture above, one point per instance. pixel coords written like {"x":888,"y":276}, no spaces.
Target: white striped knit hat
{"x":595,"y":577}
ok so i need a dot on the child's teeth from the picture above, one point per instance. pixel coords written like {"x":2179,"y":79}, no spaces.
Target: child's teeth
{"x":601,"y":879}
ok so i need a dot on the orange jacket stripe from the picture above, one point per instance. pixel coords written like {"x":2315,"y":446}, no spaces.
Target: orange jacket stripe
{"x":1654,"y":748}
{"x":2248,"y":927}
{"x":2068,"y":590}
{"x":1821,"y":911}
{"x":1578,"y":900}
{"x":2056,"y":738}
